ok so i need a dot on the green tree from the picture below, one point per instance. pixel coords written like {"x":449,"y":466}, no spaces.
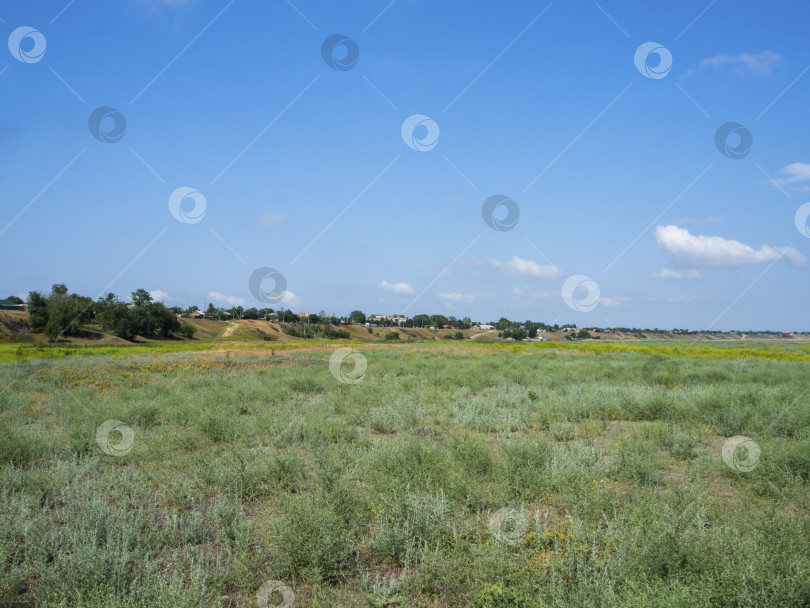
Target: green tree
{"x":438,"y":320}
{"x":58,"y":291}
{"x":421,"y":320}
{"x":251,"y":313}
{"x":141,"y":297}
{"x":503,"y":323}
{"x":113,"y":315}
{"x":357,"y":316}
{"x":517,"y":333}
{"x":60,"y":313}
{"x":37,"y":310}
{"x":186,"y":330}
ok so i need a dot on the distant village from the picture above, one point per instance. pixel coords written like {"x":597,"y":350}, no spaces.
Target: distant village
{"x":506,"y":328}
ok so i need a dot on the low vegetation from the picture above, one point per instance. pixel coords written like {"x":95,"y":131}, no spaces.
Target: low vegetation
{"x":452,"y":474}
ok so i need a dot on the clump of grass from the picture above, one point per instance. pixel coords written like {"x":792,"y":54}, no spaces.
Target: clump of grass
{"x":21,"y":446}
{"x":681,"y":444}
{"x":217,"y":426}
{"x":637,"y":460}
{"x":409,"y":524}
{"x":562,"y":431}
{"x":308,"y":540}
{"x":501,"y":409}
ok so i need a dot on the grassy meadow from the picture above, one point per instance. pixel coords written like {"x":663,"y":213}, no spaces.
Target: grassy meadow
{"x":463,"y":474}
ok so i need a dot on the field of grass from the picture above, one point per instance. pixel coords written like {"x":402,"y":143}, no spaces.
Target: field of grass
{"x":469,"y":475}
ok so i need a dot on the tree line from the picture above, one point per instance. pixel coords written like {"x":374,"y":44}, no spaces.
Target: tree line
{"x":64,"y":314}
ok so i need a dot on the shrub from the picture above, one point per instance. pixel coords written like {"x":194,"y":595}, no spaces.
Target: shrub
{"x":20,"y":447}
{"x":526,"y":462}
{"x":336,"y":334}
{"x":186,"y":330}
{"x":680,"y":444}
{"x":498,"y":596}
{"x":309,"y":540}
{"x":411,"y":523}
{"x":218,"y":426}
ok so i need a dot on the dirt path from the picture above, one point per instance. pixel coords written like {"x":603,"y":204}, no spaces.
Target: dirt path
{"x":491,"y":331}
{"x":232,"y":325}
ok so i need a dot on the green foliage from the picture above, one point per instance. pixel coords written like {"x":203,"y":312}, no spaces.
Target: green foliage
{"x":498,"y":596}
{"x":186,"y":330}
{"x":248,"y":467}
{"x":410,"y":524}
{"x":391,"y":335}
{"x":309,"y":540}
{"x":37,"y":310}
{"x":333,"y":333}
{"x":60,"y":314}
{"x":357,"y":316}
{"x":143,"y":318}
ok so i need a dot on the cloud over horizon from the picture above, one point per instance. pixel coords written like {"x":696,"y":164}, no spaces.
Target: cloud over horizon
{"x":455,"y":297}
{"x":395,"y":287}
{"x":223,"y":299}
{"x":667,"y":273}
{"x":529,"y":268}
{"x":158,"y":295}
{"x":700,"y":250}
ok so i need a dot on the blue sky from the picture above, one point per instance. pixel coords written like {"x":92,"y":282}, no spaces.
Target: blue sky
{"x":304,"y":168}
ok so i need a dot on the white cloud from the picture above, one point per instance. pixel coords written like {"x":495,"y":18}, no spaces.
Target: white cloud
{"x":699,"y":250}
{"x":290,"y":299}
{"x":682,"y":299}
{"x":666,"y":273}
{"x":758,"y":64}
{"x":528,"y":268}
{"x":158,"y":295}
{"x":455,"y":297}
{"x":604,"y":301}
{"x":271,"y":218}
{"x":395,"y":287}
{"x":222,"y":298}
{"x":793,"y":173}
